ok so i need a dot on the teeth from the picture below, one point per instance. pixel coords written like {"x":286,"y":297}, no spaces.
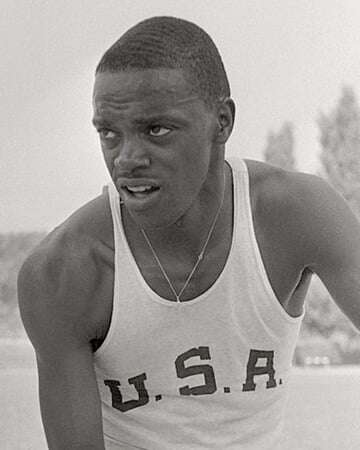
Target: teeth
{"x":138,"y":188}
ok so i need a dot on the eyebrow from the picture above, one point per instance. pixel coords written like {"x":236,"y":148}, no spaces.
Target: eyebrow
{"x":141,"y":120}
{"x":157,"y":117}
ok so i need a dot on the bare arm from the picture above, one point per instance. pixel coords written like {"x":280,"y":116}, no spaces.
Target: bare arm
{"x":333,"y":250}
{"x":54,"y":296}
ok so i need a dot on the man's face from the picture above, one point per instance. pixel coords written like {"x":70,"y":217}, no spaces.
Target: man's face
{"x":157,"y":138}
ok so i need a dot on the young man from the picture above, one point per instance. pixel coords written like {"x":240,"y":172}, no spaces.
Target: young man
{"x":164,"y":313}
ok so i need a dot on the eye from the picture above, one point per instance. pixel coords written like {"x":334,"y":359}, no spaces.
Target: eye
{"x":107,"y":134}
{"x":158,"y":130}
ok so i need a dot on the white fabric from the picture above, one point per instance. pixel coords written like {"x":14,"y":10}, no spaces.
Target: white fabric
{"x":239,"y":314}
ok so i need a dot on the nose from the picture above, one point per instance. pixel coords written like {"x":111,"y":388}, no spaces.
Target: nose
{"x":131,"y":156}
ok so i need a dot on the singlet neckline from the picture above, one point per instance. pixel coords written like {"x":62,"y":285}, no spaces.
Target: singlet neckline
{"x":172,"y":303}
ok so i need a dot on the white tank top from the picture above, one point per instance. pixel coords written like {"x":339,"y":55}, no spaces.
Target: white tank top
{"x":209,"y":373}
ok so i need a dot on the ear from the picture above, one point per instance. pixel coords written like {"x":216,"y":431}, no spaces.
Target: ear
{"x":225,"y":118}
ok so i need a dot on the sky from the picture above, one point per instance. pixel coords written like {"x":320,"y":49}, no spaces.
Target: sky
{"x":286,"y":60}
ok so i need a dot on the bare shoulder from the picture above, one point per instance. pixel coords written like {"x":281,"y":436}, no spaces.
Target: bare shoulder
{"x":287,"y":192}
{"x":282,"y":187}
{"x":59,"y":281}
{"x":86,"y":235}
{"x":303,"y":210}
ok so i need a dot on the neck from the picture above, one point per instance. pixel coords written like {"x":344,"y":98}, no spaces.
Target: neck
{"x":187,"y":235}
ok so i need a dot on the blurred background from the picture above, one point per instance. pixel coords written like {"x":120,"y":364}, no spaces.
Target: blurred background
{"x":294,"y":71}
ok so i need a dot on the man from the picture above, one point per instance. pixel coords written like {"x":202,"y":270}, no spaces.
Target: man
{"x":164,"y":313}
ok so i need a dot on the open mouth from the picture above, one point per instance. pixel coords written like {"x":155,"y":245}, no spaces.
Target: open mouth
{"x":140,"y":191}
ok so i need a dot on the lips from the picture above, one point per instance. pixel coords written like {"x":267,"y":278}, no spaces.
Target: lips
{"x":136,"y":191}
{"x":141,"y":189}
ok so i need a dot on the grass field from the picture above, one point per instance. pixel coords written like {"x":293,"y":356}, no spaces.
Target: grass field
{"x":323,"y":411}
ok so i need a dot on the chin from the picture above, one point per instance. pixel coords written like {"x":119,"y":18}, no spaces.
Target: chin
{"x":152,"y":219}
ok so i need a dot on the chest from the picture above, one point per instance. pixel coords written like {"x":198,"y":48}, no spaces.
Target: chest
{"x":184,"y":278}
{"x":289,"y":285}
{"x":174,"y":274}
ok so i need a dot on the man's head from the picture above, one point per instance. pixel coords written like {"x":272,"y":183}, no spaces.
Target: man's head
{"x":171,"y":43}
{"x":163,"y":113}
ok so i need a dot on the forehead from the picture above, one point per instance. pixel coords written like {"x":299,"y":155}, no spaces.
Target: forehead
{"x":152,"y":87}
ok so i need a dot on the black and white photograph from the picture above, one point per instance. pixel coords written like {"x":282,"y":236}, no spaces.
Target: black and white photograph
{"x":180,"y":225}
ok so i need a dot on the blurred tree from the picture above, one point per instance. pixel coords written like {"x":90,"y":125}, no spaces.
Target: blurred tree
{"x":279,"y":149}
{"x":340,"y":142}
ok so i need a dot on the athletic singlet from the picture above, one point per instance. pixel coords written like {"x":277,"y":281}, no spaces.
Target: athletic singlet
{"x":209,"y":373}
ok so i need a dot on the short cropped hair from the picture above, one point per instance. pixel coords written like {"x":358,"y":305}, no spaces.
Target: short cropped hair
{"x":171,"y":43}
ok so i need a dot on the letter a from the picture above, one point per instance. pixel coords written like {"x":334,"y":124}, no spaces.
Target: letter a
{"x":252,"y":369}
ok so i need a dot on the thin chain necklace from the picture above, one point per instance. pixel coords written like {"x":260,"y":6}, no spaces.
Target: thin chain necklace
{"x":199,"y":258}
